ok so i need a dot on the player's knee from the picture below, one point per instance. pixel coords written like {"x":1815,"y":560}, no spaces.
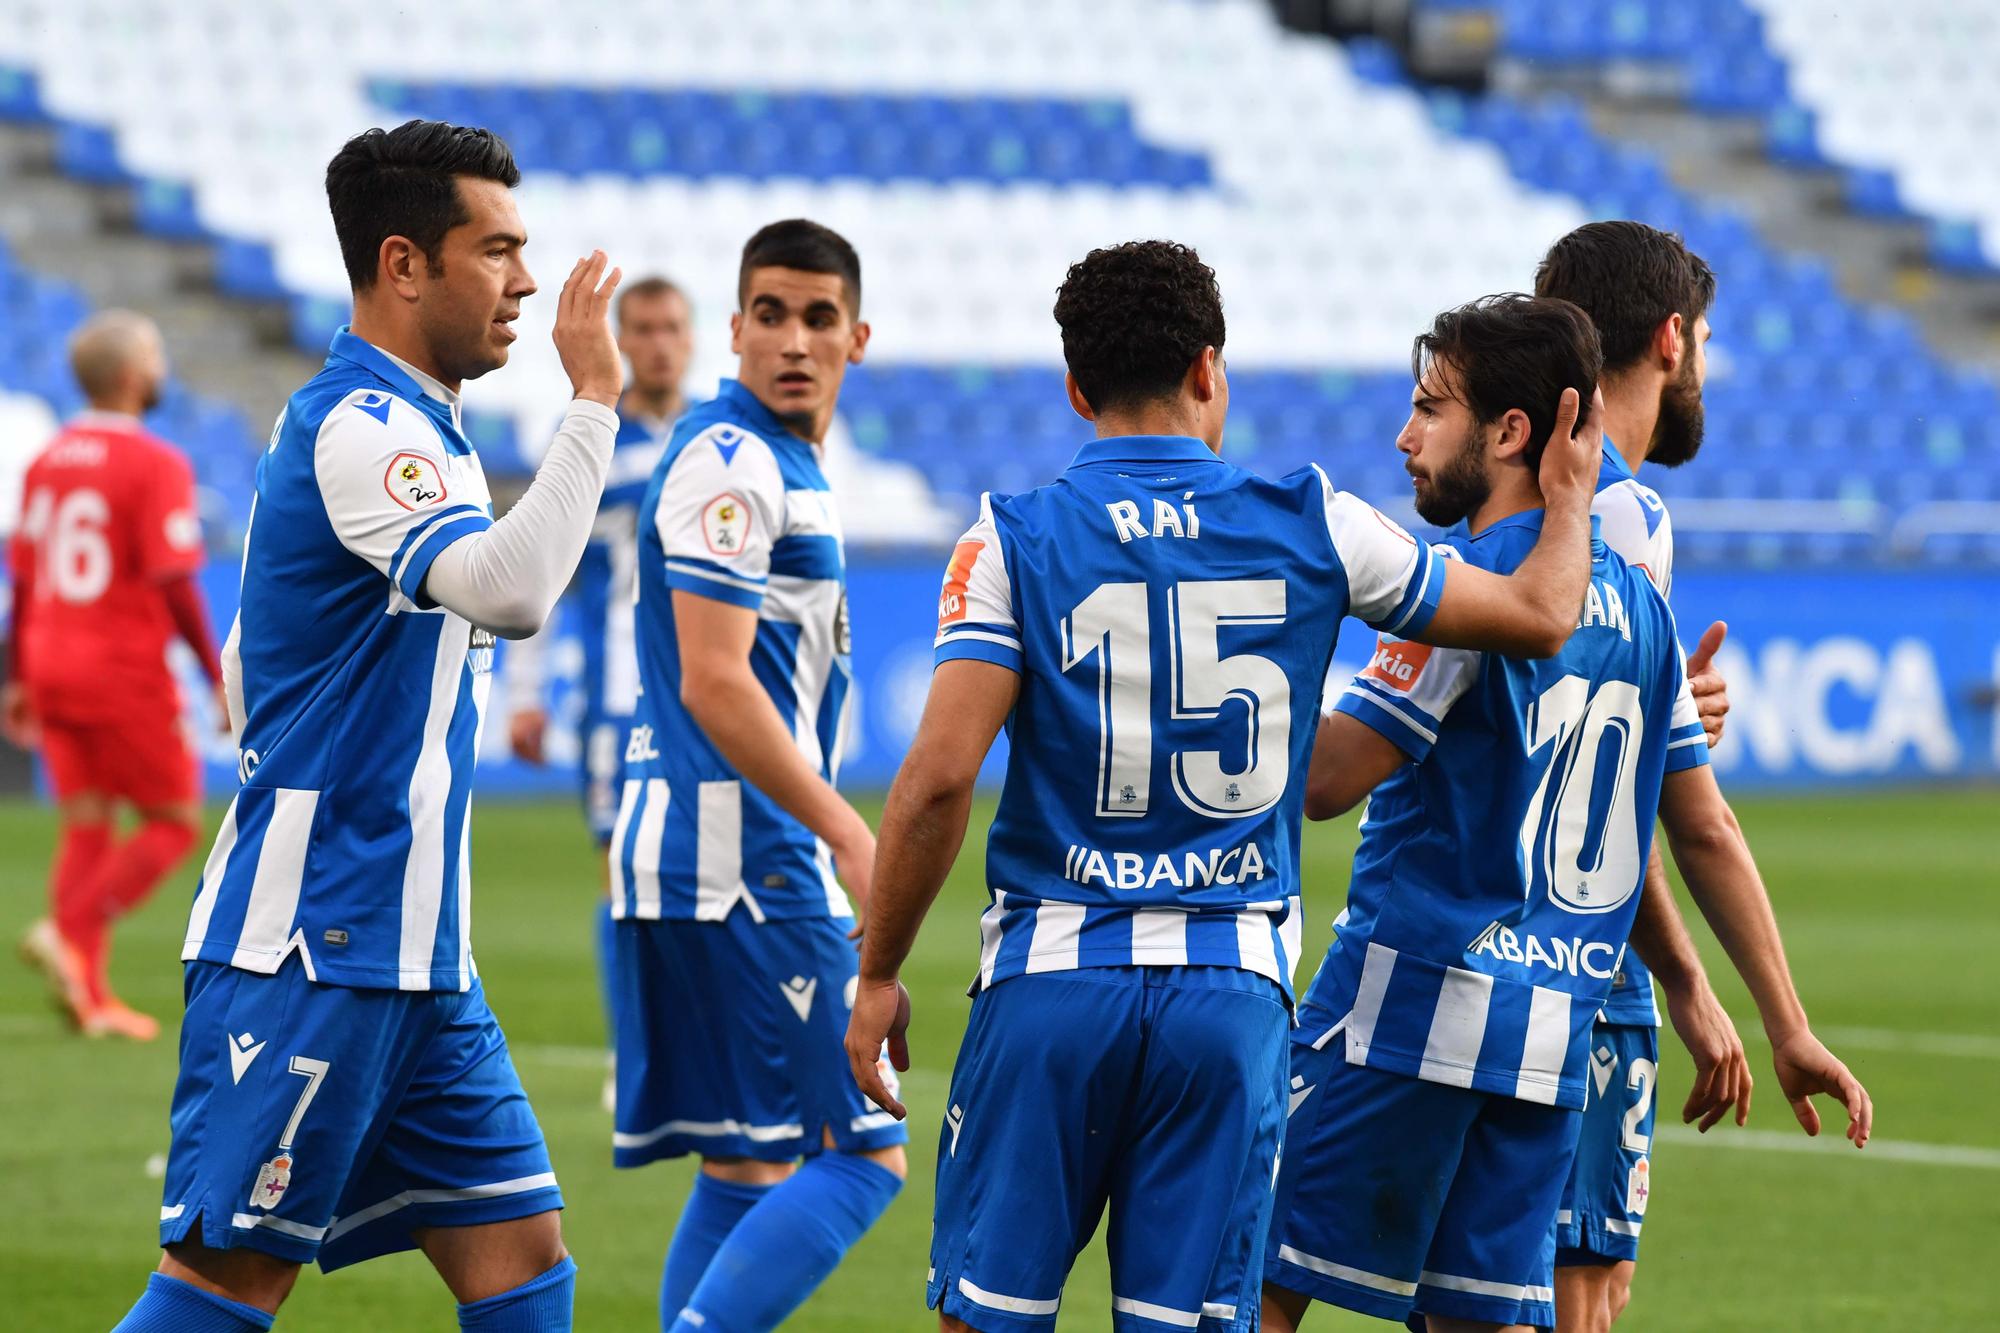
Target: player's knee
{"x":1620,"y":1294}
{"x":244,"y":1275}
{"x":891,"y":1159}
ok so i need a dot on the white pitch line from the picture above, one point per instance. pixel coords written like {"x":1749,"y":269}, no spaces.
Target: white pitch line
{"x":1831,"y":1142}
{"x":1961,"y":1045}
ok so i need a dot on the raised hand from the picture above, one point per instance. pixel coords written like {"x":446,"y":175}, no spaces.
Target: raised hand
{"x":1710,"y":690}
{"x":583,"y":331}
{"x":1574,"y":451}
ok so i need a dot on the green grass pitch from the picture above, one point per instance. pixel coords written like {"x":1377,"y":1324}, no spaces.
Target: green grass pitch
{"x":1891,"y":909}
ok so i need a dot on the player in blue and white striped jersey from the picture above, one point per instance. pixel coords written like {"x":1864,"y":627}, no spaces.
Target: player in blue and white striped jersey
{"x":1153,"y":629}
{"x":1445,"y":1044}
{"x":656,"y":337}
{"x":1648,"y":297}
{"x":344,"y":1090}
{"x":734,"y":967}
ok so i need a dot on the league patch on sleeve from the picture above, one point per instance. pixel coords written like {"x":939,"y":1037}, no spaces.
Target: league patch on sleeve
{"x":725,"y":525}
{"x":183,"y":530}
{"x":957,"y":575}
{"x":1398,"y":662}
{"x":414,"y":481}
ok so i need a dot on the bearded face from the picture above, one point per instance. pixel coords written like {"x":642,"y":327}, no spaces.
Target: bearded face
{"x":1677,"y":434}
{"x":1450,"y":493}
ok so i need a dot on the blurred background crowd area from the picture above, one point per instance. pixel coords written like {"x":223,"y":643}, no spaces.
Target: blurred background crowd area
{"x":1348,"y":167}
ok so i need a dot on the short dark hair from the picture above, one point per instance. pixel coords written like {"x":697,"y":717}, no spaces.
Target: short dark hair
{"x":403,"y":182}
{"x":1628,"y":277}
{"x":651,"y":285}
{"x":804,"y":245}
{"x":1514,"y":351}
{"x":1134,"y":317}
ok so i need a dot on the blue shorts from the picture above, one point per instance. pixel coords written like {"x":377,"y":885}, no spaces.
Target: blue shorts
{"x":730,"y":1041}
{"x":1604,"y":1201}
{"x":603,"y":770}
{"x":1399,"y":1196}
{"x":330,"y":1122}
{"x":1159,"y":1090}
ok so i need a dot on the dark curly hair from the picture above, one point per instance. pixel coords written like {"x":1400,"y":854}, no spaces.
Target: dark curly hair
{"x":1629,"y":278}
{"x":1510,"y":351}
{"x":403,"y":182}
{"x":1134,"y":317}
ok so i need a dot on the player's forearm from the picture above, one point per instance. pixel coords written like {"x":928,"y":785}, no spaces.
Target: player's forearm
{"x":737,"y":715}
{"x":1722,"y":876}
{"x":1659,"y":935}
{"x":190,"y":615}
{"x":507,"y":579}
{"x":923,"y":828}
{"x":1551,"y":582}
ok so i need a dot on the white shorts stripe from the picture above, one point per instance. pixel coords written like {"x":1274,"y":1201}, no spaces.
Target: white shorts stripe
{"x":861,"y":1124}
{"x":1010,"y":1304}
{"x":1164,"y":1314}
{"x":1327,"y":1267}
{"x":251,"y":1221}
{"x":494,"y":1190}
{"x":1621,"y":1227}
{"x":710,"y":1129}
{"x":169,"y":1214}
{"x":1506,"y":1291}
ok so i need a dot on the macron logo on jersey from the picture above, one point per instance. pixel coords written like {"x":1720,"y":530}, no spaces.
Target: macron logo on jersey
{"x":375,"y":405}
{"x":727,"y":442}
{"x":241,"y":1055}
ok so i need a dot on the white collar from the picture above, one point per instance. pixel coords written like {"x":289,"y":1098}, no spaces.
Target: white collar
{"x":430,"y":384}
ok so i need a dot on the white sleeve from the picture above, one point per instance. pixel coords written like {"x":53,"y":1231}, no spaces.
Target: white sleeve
{"x":976,"y":615}
{"x":1633,"y":523}
{"x":1393,"y":580}
{"x":381,"y":472}
{"x":722,"y":508}
{"x":508,"y":577}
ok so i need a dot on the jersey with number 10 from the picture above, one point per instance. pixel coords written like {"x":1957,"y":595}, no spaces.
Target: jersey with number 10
{"x":1172,"y":619}
{"x":1498,"y":873}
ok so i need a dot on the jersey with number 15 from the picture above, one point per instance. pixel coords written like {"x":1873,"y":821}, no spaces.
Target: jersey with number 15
{"x":1172,"y":618}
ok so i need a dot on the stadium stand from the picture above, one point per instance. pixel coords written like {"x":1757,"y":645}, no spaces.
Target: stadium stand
{"x":973,"y":152}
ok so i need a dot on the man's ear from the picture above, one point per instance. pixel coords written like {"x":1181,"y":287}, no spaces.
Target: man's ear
{"x":396,"y":264}
{"x":1078,"y":403}
{"x":1203,"y":375}
{"x":1516,"y":433}
{"x":1668,"y":343}
{"x":736,"y":333}
{"x":857,"y":348}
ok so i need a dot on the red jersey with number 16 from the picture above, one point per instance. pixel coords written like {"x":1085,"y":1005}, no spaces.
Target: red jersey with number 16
{"x":108,"y":515}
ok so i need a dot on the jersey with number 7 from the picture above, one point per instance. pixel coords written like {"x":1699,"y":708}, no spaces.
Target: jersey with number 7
{"x":1172,"y":618}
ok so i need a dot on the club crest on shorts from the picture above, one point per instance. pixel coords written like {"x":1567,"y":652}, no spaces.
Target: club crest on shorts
{"x":414,"y":481}
{"x":725,"y":524}
{"x":1638,"y":1187}
{"x":273,"y":1179}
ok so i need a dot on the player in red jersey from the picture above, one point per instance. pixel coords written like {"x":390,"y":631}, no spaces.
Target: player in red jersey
{"x":104,"y":562}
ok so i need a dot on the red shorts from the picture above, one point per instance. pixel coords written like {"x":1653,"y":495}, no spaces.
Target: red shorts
{"x":146,"y":760}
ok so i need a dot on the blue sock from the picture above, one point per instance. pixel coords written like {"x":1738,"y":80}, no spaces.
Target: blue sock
{"x":170,"y":1305}
{"x":788,"y":1244}
{"x":539,"y":1305}
{"x":607,"y":967}
{"x":712,"y":1212}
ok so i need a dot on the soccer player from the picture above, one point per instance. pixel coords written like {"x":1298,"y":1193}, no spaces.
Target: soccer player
{"x":1648,"y":297}
{"x":1153,"y":628}
{"x":104,"y":560}
{"x":734,"y":966}
{"x":656,"y":338}
{"x":344,"y":1089}
{"x":1444,"y":1045}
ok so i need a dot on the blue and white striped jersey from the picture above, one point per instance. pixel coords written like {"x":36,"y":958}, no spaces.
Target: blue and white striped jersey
{"x":1637,"y":527}
{"x":1498,"y":873}
{"x":737,"y":510}
{"x":1172,"y":618}
{"x":361,"y":702}
{"x":600,"y":606}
